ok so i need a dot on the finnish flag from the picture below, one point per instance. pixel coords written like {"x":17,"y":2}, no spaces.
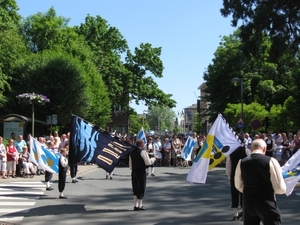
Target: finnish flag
{"x":141,"y":135}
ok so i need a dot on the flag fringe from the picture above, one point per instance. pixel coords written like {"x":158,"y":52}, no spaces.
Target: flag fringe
{"x":232,"y":131}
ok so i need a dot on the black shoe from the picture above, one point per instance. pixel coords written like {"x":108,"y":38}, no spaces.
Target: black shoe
{"x":136,"y":208}
{"x":73,"y":181}
{"x":76,"y":180}
{"x":239,"y":216}
{"x":142,"y":208}
{"x":49,"y":189}
{"x":152,"y":174}
{"x":110,"y":178}
{"x":63,"y":197}
{"x":106,"y":177}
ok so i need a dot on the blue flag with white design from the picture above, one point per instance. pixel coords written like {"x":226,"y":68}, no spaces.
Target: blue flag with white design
{"x":187,"y":149}
{"x":88,"y":144}
{"x":44,"y":158}
{"x":142,"y":135}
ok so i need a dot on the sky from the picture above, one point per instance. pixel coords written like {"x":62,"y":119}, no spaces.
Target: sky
{"x":188,"y":31}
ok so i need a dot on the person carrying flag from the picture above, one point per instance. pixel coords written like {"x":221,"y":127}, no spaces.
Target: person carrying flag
{"x":138,"y":162}
{"x":62,"y":172}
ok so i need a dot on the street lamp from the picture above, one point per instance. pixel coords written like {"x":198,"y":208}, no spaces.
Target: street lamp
{"x":145,"y":112}
{"x":237,"y":80}
{"x":32,"y":98}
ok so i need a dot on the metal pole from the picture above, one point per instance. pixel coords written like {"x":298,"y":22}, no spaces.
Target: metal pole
{"x":242,"y":91}
{"x":32,"y":120}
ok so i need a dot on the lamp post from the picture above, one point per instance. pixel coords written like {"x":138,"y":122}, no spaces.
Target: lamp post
{"x":32,"y":99}
{"x":145,"y":112}
{"x":237,"y":80}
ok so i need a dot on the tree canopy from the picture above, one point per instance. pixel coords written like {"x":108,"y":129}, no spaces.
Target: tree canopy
{"x":86,"y":70}
{"x":129,"y":80}
{"x":279,"y":19}
{"x":266,"y":83}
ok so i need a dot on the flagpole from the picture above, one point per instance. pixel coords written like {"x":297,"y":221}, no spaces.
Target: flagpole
{"x":184,"y":121}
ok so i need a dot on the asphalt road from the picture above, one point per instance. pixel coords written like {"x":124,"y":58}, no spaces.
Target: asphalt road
{"x":169,"y":199}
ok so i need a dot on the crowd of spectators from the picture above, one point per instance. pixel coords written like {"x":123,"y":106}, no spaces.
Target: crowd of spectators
{"x":15,"y":158}
{"x":279,"y":145}
{"x":167,"y":148}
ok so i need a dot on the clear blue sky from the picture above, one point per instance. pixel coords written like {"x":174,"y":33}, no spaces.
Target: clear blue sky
{"x":189,"y":32}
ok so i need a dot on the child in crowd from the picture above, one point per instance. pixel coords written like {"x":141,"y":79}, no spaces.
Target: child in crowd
{"x":62,"y":172}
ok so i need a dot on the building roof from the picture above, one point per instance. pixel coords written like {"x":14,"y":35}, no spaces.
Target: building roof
{"x":194,"y":106}
{"x":20,"y":118}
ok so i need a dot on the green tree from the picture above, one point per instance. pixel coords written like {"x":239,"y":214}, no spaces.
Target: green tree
{"x":252,"y":111}
{"x":127,"y":80}
{"x":290,"y":113}
{"x":43,"y":31}
{"x":9,"y":17}
{"x":136,"y":123}
{"x":71,"y":85}
{"x":11,"y":47}
{"x":161,"y":118}
{"x":279,"y":19}
{"x":264,"y":82}
{"x":198,"y":123}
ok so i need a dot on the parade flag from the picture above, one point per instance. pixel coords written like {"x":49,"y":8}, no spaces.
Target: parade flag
{"x":142,"y":135}
{"x":42,"y":157}
{"x":88,"y":144}
{"x":188,"y":147}
{"x":182,"y":114}
{"x":33,"y":155}
{"x":187,"y":112}
{"x":220,"y":142}
{"x":291,"y":172}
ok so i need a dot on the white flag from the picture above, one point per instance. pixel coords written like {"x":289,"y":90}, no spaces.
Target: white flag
{"x":291,"y":172}
{"x":188,"y":147}
{"x":220,"y":142}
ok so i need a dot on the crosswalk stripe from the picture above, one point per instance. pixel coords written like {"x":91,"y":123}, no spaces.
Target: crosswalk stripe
{"x":297,"y":193}
{"x":18,"y":198}
{"x":10,"y":219}
{"x":14,"y":210}
{"x":21,"y":193}
{"x":17,"y":203}
{"x":22,"y":188}
{"x":22,"y":185}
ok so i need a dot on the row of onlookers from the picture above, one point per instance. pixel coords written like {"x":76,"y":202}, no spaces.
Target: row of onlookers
{"x":15,"y":158}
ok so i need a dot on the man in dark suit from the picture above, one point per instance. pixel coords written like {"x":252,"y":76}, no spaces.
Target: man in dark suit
{"x":259,"y":178}
{"x":62,"y":172}
{"x":138,"y":162}
{"x":236,"y":196}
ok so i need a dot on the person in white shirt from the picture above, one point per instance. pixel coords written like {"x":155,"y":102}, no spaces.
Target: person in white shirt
{"x":150,"y":147}
{"x":259,"y":178}
{"x":3,"y":160}
{"x":167,"y":148}
{"x":249,"y":140}
{"x":157,"y":151}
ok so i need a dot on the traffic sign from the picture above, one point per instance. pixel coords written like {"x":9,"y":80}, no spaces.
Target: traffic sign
{"x":240,"y":123}
{"x":256,"y":124}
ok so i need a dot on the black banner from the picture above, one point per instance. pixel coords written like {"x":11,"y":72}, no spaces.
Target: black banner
{"x":88,"y":144}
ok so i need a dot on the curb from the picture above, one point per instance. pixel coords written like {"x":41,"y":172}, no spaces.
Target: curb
{"x":82,"y":169}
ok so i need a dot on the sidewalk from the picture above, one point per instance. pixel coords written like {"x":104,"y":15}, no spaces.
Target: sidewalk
{"x":82,"y":169}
